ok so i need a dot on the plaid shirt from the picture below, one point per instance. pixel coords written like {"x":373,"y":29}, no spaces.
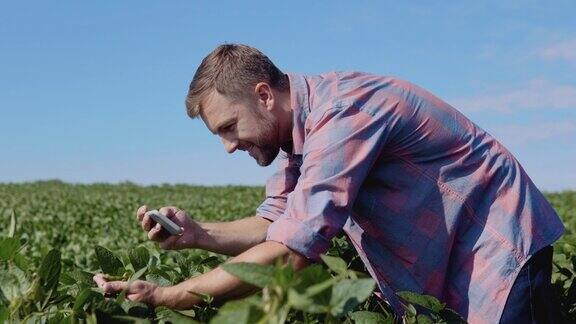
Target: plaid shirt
{"x":432,"y":203}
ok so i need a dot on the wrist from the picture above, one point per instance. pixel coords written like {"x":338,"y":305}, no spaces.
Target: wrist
{"x":175,"y":297}
{"x":200,"y":236}
{"x":158,"y":297}
{"x":166,"y":296}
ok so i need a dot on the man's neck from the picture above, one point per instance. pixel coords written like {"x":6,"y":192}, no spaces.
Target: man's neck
{"x":285,"y":119}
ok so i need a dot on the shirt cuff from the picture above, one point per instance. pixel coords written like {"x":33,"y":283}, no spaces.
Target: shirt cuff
{"x":267,"y":214}
{"x":272,"y":208}
{"x":294,"y":234}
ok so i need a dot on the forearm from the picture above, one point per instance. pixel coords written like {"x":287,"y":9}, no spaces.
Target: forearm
{"x":232,"y":238}
{"x":222,"y":285}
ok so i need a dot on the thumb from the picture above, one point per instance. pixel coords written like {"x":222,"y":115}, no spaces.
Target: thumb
{"x":113,"y":287}
{"x":99,"y":280}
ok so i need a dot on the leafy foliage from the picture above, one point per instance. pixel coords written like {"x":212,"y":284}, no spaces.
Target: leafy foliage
{"x":57,"y":236}
{"x":564,"y":259}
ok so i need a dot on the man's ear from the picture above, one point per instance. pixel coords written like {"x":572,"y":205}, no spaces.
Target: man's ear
{"x":265,"y":95}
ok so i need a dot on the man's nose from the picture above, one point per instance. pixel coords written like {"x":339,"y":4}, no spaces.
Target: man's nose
{"x":230,"y":145}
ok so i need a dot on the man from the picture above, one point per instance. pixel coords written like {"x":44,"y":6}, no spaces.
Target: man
{"x":432,"y":203}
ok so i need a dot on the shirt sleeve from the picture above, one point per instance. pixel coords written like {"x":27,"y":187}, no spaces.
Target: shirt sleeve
{"x":339,"y":151}
{"x":278,"y":186}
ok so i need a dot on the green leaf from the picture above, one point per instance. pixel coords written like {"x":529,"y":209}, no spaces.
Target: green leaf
{"x":309,"y":295}
{"x":205,"y":298}
{"x":12,"y":227}
{"x":49,"y":270}
{"x":66,"y":279}
{"x":158,"y":279}
{"x":238,"y":312}
{"x":72,"y":320}
{"x":563,"y":270}
{"x":411,"y":312}
{"x":36,"y":291}
{"x":109,"y":263}
{"x":15,"y":283}
{"x":139,"y":257}
{"x":423,"y":319}
{"x":450,"y":316}
{"x":21,"y":262}
{"x":259,"y":275}
{"x":322,"y":291}
{"x":335,"y":264}
{"x":185,"y":265}
{"x":284,"y":274}
{"x":84,"y":297}
{"x":58,"y":318}
{"x":189,"y":313}
{"x":4,"y":314}
{"x":129,"y":319}
{"x":314,"y":304}
{"x":166,"y":315}
{"x":77,"y":276}
{"x":121,"y":297}
{"x":61,"y":298}
{"x":349,"y":293}
{"x":426,"y":301}
{"x":366,"y":317}
{"x":571,"y":293}
{"x":311,"y":276}
{"x":8,"y":247}
{"x":105,"y":308}
{"x":138,"y":274}
{"x":139,"y":309}
{"x":210,"y":261}
{"x":3,"y":299}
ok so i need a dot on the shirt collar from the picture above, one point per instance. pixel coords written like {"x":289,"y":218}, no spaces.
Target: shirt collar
{"x":300,"y":105}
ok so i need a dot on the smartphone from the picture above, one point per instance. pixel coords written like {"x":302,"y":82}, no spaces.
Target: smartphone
{"x":165,"y":222}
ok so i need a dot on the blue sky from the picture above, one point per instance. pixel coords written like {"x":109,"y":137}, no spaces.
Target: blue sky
{"x":94,"y":91}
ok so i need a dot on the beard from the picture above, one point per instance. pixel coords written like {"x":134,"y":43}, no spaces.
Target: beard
{"x":264,"y":156}
{"x":266,"y":147}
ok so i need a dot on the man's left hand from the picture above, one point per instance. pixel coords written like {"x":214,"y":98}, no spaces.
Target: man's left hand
{"x":138,"y":290}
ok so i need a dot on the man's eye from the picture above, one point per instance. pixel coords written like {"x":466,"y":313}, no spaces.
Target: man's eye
{"x":229,"y":127}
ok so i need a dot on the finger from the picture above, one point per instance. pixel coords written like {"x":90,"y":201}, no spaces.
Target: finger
{"x":133,"y":297}
{"x":169,"y":211}
{"x":113,"y":287}
{"x":180,"y":213}
{"x":99,"y":280}
{"x":157,"y":234}
{"x":147,"y":223}
{"x":141,"y":211}
{"x":176,"y":214}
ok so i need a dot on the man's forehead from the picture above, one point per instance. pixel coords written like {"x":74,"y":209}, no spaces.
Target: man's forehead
{"x":216,"y":109}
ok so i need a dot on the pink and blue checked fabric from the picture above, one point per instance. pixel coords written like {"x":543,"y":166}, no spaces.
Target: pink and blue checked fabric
{"x":432,"y":202}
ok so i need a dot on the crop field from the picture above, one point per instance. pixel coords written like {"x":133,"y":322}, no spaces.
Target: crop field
{"x":54,"y":237}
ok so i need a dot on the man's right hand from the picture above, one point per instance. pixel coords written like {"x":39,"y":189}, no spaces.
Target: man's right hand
{"x":229,"y":238}
{"x":165,"y":240}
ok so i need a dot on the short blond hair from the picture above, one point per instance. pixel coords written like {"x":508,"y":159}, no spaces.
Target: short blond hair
{"x":232,"y":70}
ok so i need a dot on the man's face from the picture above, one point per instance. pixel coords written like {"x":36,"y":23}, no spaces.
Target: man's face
{"x":243,"y":125}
